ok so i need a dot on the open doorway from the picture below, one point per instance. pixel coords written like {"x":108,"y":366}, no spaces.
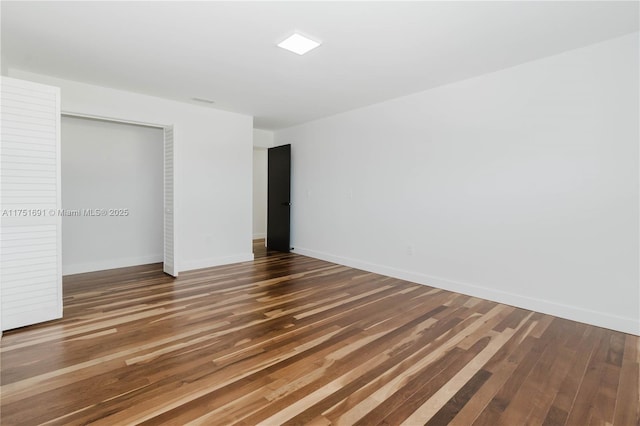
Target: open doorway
{"x":260,"y":169}
{"x":271,"y":199}
{"x":114,"y":187}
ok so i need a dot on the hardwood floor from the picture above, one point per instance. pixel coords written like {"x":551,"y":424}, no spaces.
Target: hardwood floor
{"x":288,"y":339}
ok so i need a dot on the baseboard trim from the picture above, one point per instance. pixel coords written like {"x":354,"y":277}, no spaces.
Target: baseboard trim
{"x":189,"y":265}
{"x":574,"y":313}
{"x":80,"y":268}
{"x":259,"y":236}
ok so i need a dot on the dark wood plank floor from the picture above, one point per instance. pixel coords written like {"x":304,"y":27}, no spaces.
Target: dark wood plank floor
{"x":288,"y":339}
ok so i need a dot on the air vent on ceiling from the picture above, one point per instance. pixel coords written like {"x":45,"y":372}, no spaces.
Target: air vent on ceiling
{"x":203,"y":100}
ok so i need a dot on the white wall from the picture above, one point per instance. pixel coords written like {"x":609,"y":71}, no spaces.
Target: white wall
{"x":260,"y":168}
{"x":519,"y":186}
{"x":108,"y":165}
{"x":262,"y":138}
{"x":213,"y":165}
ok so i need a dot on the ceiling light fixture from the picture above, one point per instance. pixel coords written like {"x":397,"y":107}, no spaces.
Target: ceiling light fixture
{"x":298,"y":44}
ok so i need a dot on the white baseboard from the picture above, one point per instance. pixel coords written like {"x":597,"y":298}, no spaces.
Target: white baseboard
{"x":259,"y":236}
{"x":79,"y":268}
{"x":188,"y":265}
{"x":574,"y":313}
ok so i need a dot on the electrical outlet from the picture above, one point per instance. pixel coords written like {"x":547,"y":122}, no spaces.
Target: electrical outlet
{"x":410,"y":250}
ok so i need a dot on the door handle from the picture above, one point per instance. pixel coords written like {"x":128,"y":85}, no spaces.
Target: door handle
{"x":285,"y":204}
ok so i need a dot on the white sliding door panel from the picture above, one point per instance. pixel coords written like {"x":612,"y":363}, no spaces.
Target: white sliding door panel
{"x":170,"y":266}
{"x":30,"y":238}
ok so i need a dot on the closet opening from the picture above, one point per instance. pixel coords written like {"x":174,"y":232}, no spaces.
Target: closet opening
{"x":117,"y":194}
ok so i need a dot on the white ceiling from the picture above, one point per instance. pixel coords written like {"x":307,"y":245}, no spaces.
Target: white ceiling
{"x":226,"y":51}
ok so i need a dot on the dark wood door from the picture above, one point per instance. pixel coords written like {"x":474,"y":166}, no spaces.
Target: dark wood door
{"x":279,"y":198}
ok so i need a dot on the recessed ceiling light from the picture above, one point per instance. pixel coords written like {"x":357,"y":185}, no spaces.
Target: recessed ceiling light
{"x":298,"y":44}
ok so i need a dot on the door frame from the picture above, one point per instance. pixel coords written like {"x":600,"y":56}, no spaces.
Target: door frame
{"x":172,"y":269}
